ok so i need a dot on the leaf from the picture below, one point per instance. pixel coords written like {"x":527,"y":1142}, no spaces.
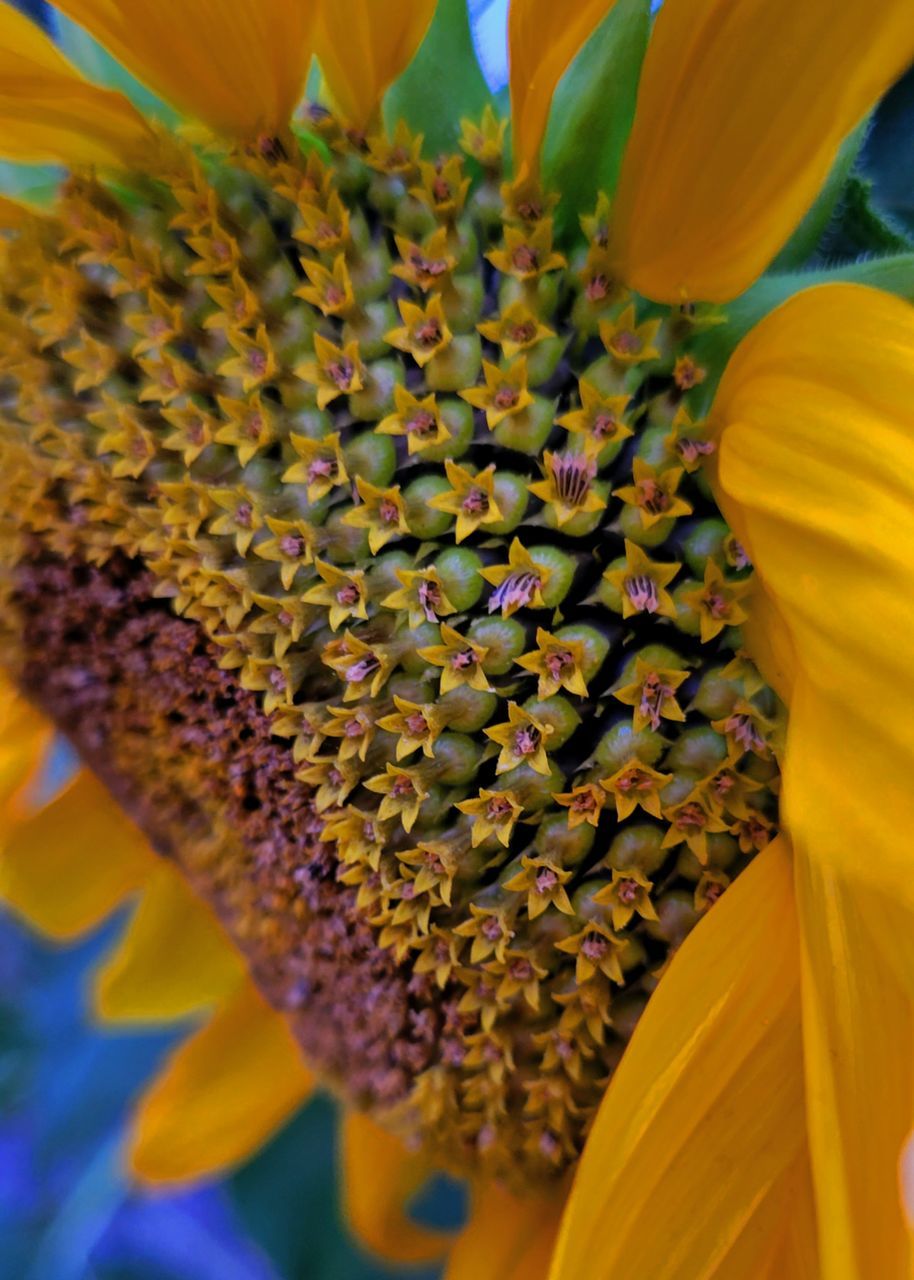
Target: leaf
{"x":592,"y":113}
{"x":442,"y":84}
{"x":713,"y":348}
{"x":805,"y":240}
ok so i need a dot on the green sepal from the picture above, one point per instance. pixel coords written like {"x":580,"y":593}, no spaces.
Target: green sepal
{"x":34,"y":184}
{"x":595,"y":100}
{"x":713,"y":348}
{"x":442,"y":84}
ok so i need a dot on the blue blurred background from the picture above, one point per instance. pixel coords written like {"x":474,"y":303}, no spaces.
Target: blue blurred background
{"x":66,"y":1213}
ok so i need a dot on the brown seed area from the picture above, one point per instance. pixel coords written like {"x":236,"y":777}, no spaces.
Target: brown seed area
{"x":189,"y":754}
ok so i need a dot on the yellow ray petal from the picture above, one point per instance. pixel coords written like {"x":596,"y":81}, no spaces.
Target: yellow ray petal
{"x":67,"y":866}
{"x":705,"y":1113}
{"x":816,"y":473}
{"x":816,"y":476}
{"x":48,"y":112}
{"x":239,"y":67}
{"x":859,"y":1040}
{"x":379,"y":1178}
{"x":507,"y":1237}
{"x":543,"y":37}
{"x":363,"y":45}
{"x":222,"y":1094}
{"x":24,"y":738}
{"x":741,"y":109}
{"x":172,"y":959}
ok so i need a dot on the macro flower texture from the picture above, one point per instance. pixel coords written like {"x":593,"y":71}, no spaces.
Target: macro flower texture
{"x":482,"y":601}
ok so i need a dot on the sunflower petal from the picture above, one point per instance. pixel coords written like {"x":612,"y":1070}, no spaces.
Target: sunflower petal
{"x":172,"y":959}
{"x":221,"y":1095}
{"x":705,"y":1113}
{"x":49,"y":113}
{"x":67,"y":866}
{"x":379,"y":1178}
{"x":507,"y":1237}
{"x":859,"y":1040}
{"x":816,"y":476}
{"x":240,"y":68}
{"x":816,"y":472}
{"x":741,"y":110}
{"x":543,"y":37}
{"x":363,"y":46}
{"x":24,"y":736}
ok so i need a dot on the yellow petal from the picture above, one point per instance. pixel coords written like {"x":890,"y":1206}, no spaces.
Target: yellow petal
{"x":741,"y":108}
{"x":221,"y":1094}
{"x":172,"y":959}
{"x":816,"y":472}
{"x":543,"y":37}
{"x":48,"y":112}
{"x":24,"y":738}
{"x":705,"y":1113}
{"x":858,"y":1025}
{"x":363,"y":45}
{"x":379,"y":1178}
{"x":240,"y":66}
{"x":507,"y":1237}
{"x":816,"y":476}
{"x":67,"y":866}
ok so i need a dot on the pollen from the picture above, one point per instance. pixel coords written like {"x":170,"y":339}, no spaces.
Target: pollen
{"x":353,"y":526}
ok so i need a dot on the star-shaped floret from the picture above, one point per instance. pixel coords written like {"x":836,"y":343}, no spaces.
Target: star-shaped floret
{"x":636,"y":785}
{"x":493,"y":813}
{"x":717,"y":602}
{"x":504,"y":393}
{"x":321,"y":467}
{"x":421,"y":596}
{"x":567,"y":485}
{"x":627,"y":341}
{"x":558,"y":663}
{"x":471,"y":498}
{"x":642,"y":583}
{"x":522,"y":738}
{"x":628,"y":892}
{"x":460,"y":661}
{"x":419,"y":420}
{"x":382,"y":512}
{"x":654,"y":493}
{"x":342,"y":592}
{"x":424,"y":331}
{"x":518,"y":584}
{"x":334,"y":371}
{"x":516,"y":329}
{"x":652,"y":693}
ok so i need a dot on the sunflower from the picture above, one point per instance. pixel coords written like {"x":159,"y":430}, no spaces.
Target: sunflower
{"x":362,"y":526}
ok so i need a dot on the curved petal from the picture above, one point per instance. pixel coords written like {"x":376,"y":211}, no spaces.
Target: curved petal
{"x":741,"y":109}
{"x":48,"y":112}
{"x":816,"y":473}
{"x":379,"y":1178}
{"x":508,"y":1237}
{"x":65,"y":867}
{"x":172,"y":959}
{"x":239,"y":67}
{"x":543,"y":37}
{"x":704,"y":1116}
{"x":220,"y":1096}
{"x":363,"y":46}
